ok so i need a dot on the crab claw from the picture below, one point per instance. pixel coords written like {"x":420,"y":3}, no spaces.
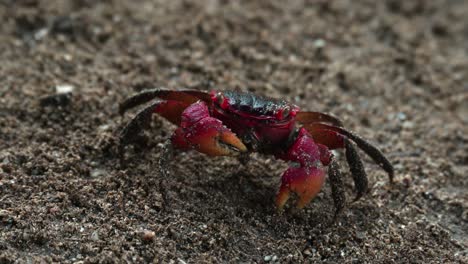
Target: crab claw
{"x":206,"y":134}
{"x":211,"y":137}
{"x":305,"y":182}
{"x":307,"y":178}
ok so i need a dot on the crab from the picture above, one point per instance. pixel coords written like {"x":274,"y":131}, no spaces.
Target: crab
{"x":231,"y":123}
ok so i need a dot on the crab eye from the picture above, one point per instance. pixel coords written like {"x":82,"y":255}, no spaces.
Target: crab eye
{"x":285,"y":113}
{"x":219,"y":98}
{"x":222,"y":101}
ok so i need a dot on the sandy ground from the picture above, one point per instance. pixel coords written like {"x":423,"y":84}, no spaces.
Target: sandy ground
{"x":396,"y":72}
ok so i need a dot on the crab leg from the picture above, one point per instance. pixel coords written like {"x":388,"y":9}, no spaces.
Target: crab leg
{"x":307,"y":179}
{"x":334,"y":140}
{"x":171,"y":110}
{"x":361,"y":182}
{"x":185,"y":96}
{"x":336,"y":182}
{"x":166,"y":155}
{"x":206,"y":134}
{"x":323,"y":130}
{"x":317,"y":117}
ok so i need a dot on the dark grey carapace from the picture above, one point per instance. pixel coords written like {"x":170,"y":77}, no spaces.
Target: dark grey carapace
{"x":255,"y":105}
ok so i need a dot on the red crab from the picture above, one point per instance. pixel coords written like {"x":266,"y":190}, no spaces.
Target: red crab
{"x":232,"y":123}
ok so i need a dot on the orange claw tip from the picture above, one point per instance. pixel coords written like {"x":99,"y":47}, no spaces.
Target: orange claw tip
{"x":231,"y":141}
{"x":309,"y":186}
{"x":282,"y":197}
{"x":216,"y":144}
{"x":305,"y":182}
{"x":209,"y":136}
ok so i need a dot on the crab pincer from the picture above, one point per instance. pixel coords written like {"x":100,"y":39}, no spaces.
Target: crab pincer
{"x":306,"y":177}
{"x":206,"y":134}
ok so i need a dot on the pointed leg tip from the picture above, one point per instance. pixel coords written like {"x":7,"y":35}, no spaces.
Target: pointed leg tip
{"x":281,"y":199}
{"x":337,"y":214}
{"x":279,"y":210}
{"x":300,"y":204}
{"x":121,"y":111}
{"x":360,"y":194}
{"x":358,"y":197}
{"x":391,"y":177}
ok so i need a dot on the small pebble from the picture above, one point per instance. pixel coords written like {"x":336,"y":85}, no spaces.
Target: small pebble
{"x":319,"y":43}
{"x":98,"y":173}
{"x":104,"y":127}
{"x":401,"y":116}
{"x":64,"y":88}
{"x":95,"y":236}
{"x":54,"y":210}
{"x":42,"y":33}
{"x":148,"y":235}
{"x":360,"y":235}
{"x":408,"y":124}
{"x":58,"y":99}
{"x":464,"y":216}
{"x":68,"y":57}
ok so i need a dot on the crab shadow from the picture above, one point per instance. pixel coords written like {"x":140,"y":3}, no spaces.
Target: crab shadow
{"x":246,"y":192}
{"x":223,"y":188}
